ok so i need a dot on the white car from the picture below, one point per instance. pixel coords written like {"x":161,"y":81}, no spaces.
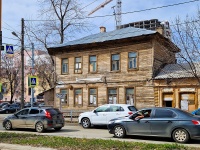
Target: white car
{"x":103,"y":114}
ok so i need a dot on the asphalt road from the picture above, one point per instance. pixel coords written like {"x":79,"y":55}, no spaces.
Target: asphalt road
{"x":75,"y":130}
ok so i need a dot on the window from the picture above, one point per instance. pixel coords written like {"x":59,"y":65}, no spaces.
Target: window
{"x":112,"y":96}
{"x":103,"y":109}
{"x":115,"y":62}
{"x":93,"y":64}
{"x":78,"y":65}
{"x":65,"y":66}
{"x":116,"y":108}
{"x":93,"y":96}
{"x":34,"y":111}
{"x":130,"y":96}
{"x":132,"y":60}
{"x":78,"y":97}
{"x":64,"y":100}
{"x":164,"y":114}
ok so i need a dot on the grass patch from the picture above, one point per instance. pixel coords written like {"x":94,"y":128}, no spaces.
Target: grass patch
{"x":66,"y":143}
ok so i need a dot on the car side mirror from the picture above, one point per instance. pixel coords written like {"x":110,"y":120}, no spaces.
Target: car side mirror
{"x":95,"y":111}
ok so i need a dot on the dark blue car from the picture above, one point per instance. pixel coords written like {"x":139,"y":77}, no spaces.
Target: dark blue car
{"x":161,"y":122}
{"x":196,"y":112}
{"x":9,"y":108}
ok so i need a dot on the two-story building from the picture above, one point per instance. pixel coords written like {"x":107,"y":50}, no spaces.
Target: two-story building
{"x":111,"y":67}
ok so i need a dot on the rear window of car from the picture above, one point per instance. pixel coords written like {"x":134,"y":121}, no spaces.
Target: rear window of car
{"x":132,"y":108}
{"x":53,"y":111}
{"x":162,"y":113}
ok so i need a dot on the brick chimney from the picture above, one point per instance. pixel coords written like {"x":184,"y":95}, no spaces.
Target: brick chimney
{"x":102,"y":29}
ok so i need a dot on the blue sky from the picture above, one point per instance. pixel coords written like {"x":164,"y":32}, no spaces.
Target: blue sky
{"x":14,"y":10}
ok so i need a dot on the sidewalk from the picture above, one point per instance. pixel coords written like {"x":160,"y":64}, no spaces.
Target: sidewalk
{"x":4,"y":146}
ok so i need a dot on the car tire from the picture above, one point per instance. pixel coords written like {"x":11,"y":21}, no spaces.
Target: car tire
{"x":119,"y":131}
{"x":8,"y":125}
{"x":39,"y":127}
{"x":58,"y":129}
{"x":85,"y":122}
{"x":181,"y":135}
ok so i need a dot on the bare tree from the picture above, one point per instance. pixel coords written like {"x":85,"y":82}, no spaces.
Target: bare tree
{"x":187,"y":38}
{"x":10,"y":74}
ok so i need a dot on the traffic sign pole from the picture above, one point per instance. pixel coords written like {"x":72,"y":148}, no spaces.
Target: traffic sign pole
{"x":32,"y":88}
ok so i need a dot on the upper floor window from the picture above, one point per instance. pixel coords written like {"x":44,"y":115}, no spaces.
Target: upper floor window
{"x":78,"y":97}
{"x":93,"y":96}
{"x":112,"y":96}
{"x":132,"y":60}
{"x":115,"y":62}
{"x":93,"y":63}
{"x":65,"y":66}
{"x":78,"y":65}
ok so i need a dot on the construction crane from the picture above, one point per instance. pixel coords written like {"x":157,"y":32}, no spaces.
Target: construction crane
{"x":117,"y":11}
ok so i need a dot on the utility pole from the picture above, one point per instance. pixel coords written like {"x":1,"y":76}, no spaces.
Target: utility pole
{"x":22,"y":60}
{"x":0,"y":32}
{"x":32,"y":88}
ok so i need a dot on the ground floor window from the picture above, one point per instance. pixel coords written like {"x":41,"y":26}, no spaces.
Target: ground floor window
{"x":129,"y":96}
{"x":93,"y":97}
{"x":187,"y":101}
{"x":78,"y":97}
{"x":112,"y":96}
{"x":64,"y":100}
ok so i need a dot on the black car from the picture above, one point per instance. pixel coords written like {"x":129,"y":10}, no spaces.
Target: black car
{"x":38,"y":118}
{"x":161,"y":122}
{"x":3,"y":103}
{"x":9,"y":108}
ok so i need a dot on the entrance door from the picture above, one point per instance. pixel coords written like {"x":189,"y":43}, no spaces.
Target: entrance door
{"x":187,"y":101}
{"x":167,"y":99}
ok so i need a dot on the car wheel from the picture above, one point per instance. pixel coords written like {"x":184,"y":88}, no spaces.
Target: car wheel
{"x":39,"y":127}
{"x":8,"y":125}
{"x":181,"y":136}
{"x":85,"y":122}
{"x":57,"y":129}
{"x":119,"y":132}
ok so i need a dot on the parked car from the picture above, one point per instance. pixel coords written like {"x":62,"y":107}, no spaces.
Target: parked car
{"x":38,"y":118}
{"x":162,"y":122}
{"x":196,"y":112}
{"x":3,"y":103}
{"x":9,"y":108}
{"x":29,"y":105}
{"x":103,"y":114}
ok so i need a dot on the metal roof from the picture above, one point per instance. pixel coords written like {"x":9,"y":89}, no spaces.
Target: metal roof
{"x":108,"y":36}
{"x":179,"y":71}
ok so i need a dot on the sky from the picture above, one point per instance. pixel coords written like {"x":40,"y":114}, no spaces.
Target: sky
{"x":14,"y":10}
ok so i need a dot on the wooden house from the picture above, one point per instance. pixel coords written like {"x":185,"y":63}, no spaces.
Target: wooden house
{"x":110,"y":67}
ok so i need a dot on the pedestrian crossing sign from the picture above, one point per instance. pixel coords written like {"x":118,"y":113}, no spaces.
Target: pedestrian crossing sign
{"x":9,"y":49}
{"x":32,"y":81}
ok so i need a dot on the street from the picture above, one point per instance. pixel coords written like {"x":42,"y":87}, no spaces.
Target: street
{"x":75,"y":130}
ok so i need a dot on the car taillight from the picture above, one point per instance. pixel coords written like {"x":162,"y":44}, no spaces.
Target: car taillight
{"x":196,"y":122}
{"x":48,"y":115}
{"x":130,"y":113}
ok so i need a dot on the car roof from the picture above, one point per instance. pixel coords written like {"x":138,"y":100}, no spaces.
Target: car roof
{"x":116,"y":105}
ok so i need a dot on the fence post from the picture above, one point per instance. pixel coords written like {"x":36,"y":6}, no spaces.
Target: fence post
{"x":71,"y":115}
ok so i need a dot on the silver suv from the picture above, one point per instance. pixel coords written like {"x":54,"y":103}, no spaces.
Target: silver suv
{"x":38,"y":118}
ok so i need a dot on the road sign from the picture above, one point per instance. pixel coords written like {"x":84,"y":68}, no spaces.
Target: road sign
{"x":9,"y":49}
{"x":32,"y":82}
{"x":33,"y":70}
{"x":60,"y":95}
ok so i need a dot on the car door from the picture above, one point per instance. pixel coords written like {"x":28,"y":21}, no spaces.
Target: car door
{"x":115,"y":112}
{"x":162,"y":122}
{"x":20,"y":119}
{"x":32,"y":117}
{"x":99,"y":115}
{"x":139,"y":127}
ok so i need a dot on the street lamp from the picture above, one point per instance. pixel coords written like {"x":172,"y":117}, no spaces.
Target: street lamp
{"x":22,"y":60}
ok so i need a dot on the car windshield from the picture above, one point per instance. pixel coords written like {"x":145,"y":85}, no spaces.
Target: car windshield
{"x":132,"y":108}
